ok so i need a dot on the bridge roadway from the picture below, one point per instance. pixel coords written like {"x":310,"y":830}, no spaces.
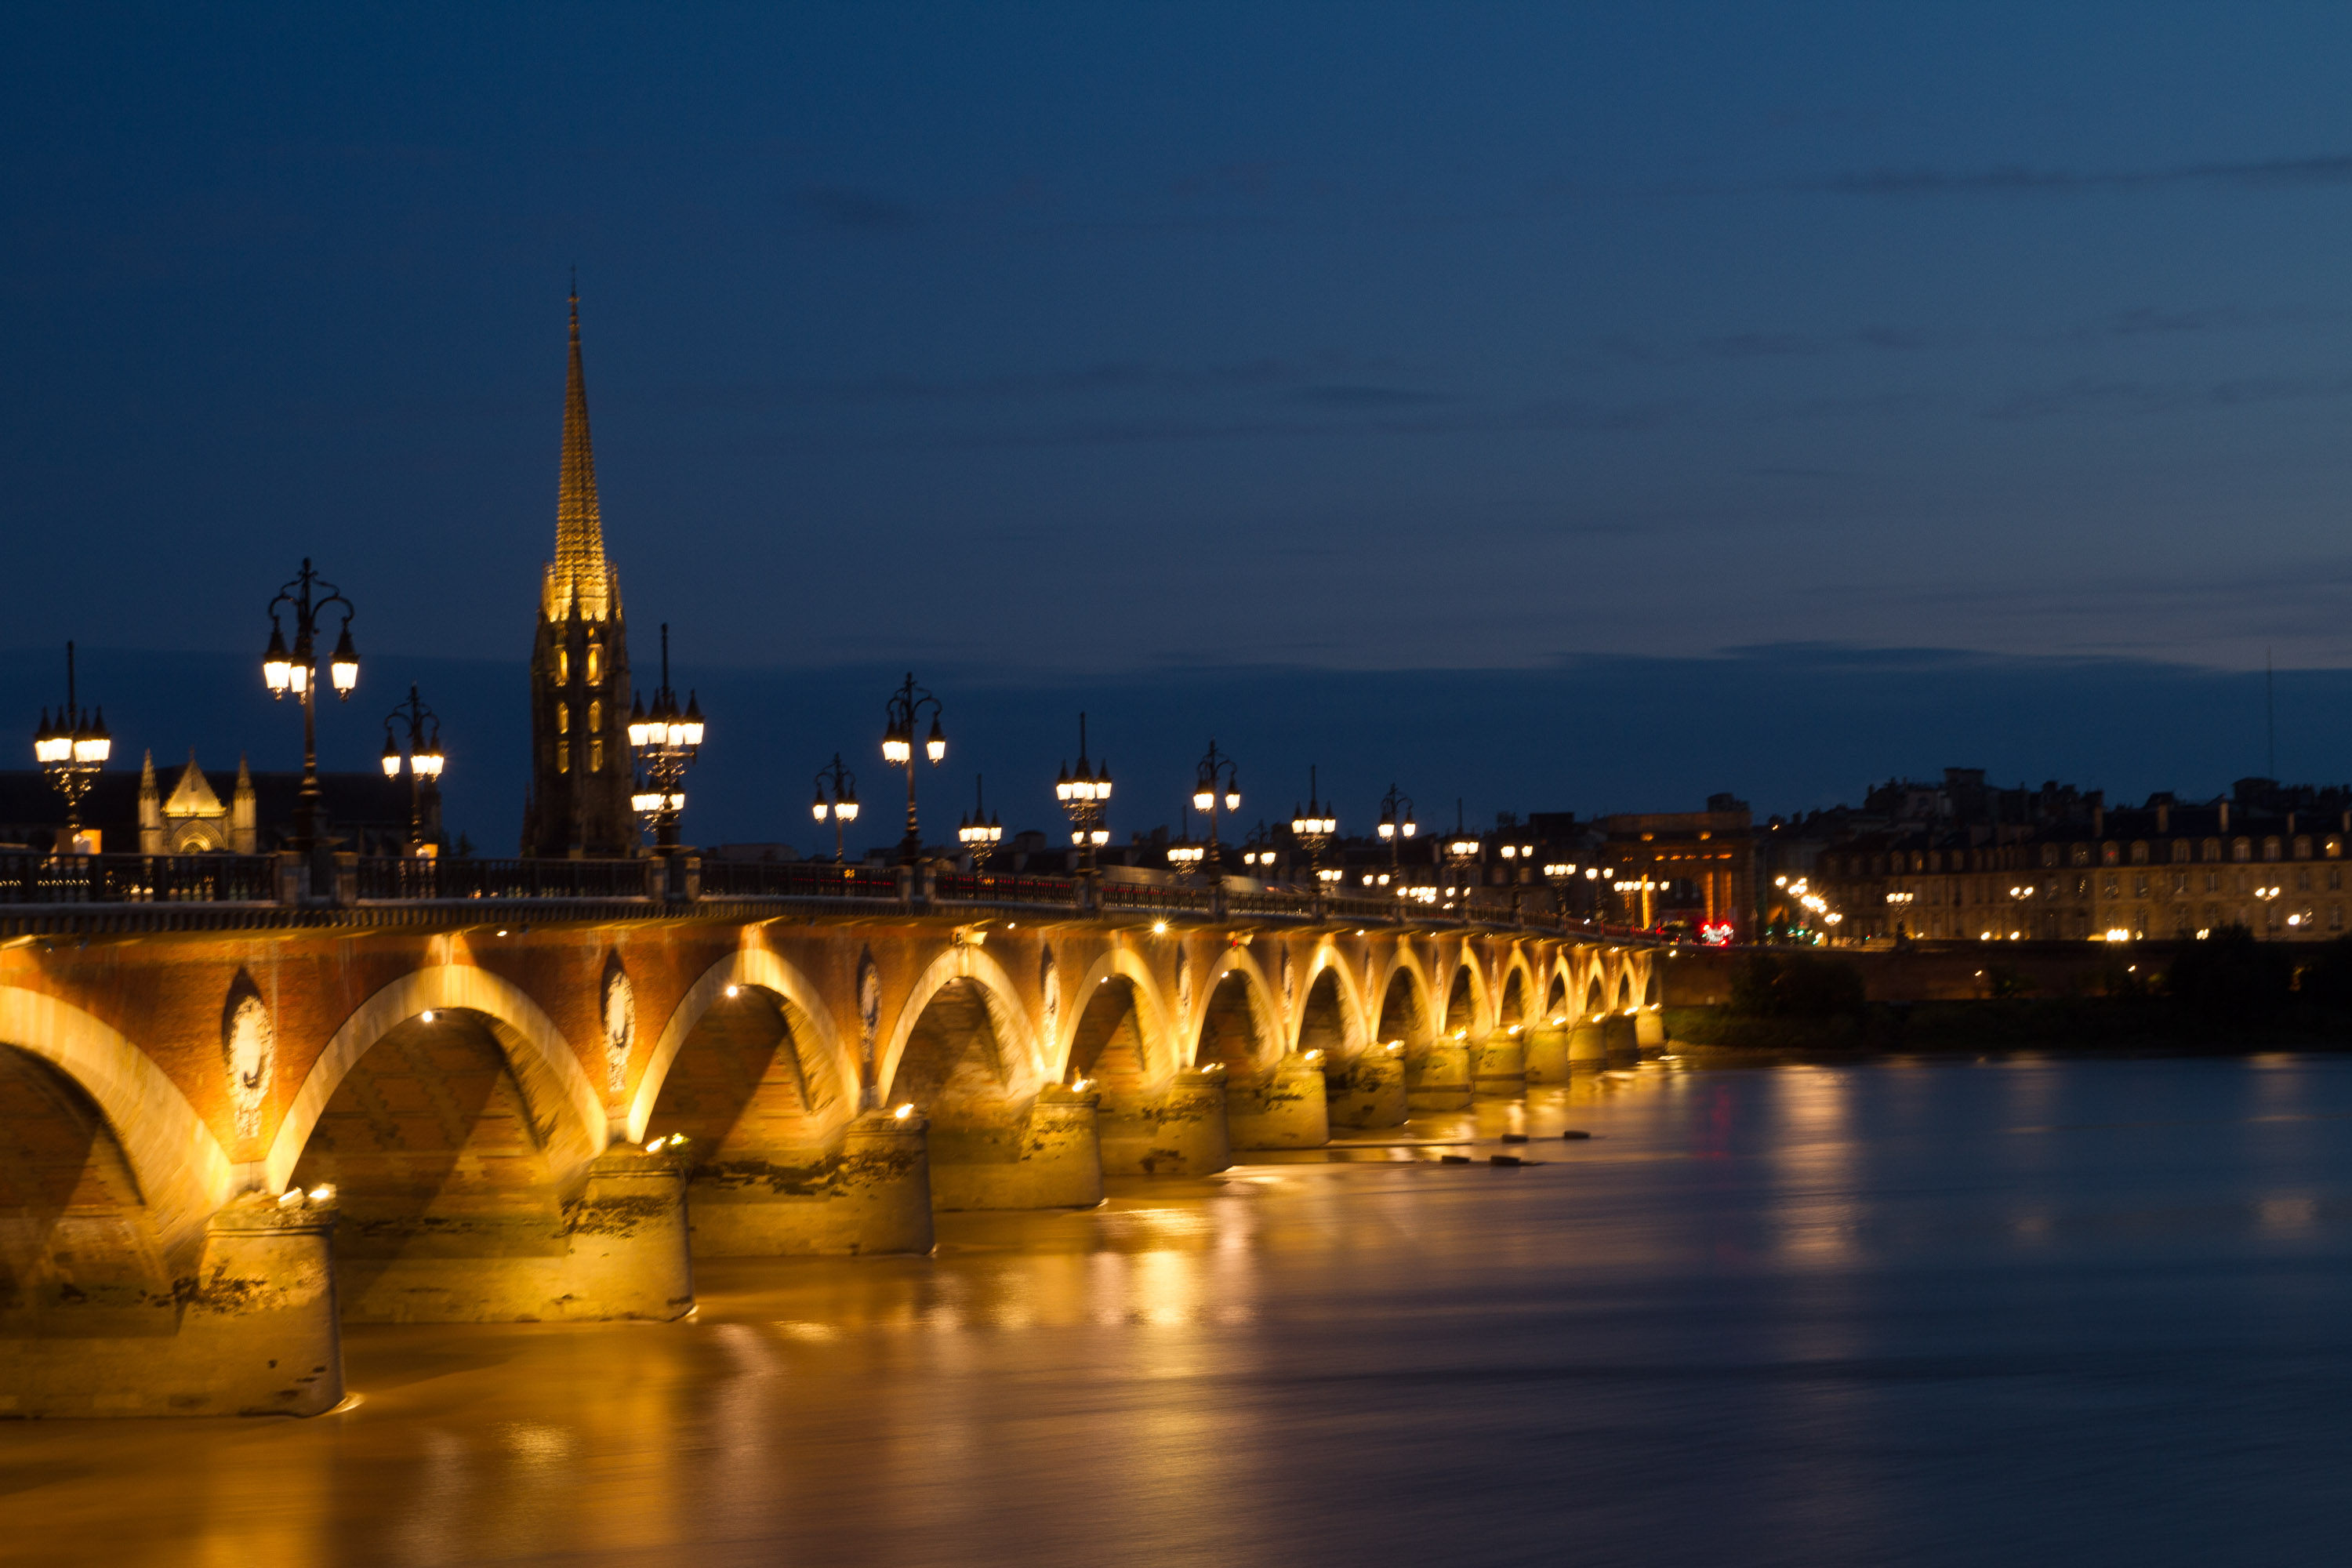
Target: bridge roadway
{"x":244,"y":1099}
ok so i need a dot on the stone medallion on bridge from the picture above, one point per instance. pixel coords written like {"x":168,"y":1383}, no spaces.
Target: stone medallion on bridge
{"x":620,"y":1014}
{"x":249,"y":1049}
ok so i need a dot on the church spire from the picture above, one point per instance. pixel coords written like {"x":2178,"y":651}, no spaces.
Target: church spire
{"x":579,"y":568}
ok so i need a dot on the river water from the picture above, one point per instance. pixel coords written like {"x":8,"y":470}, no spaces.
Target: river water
{"x":1944,"y":1312}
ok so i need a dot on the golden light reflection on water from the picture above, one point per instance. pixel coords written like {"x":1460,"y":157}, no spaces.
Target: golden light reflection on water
{"x":1154,"y":1373}
{"x":1812,"y":1165}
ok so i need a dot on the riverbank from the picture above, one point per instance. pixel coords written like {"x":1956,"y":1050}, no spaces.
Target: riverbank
{"x":2121,"y":1024}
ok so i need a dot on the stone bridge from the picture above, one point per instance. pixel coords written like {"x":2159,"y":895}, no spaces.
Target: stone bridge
{"x":233,"y":1114}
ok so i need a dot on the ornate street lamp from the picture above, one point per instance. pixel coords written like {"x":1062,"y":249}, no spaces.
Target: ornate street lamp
{"x":1083,"y":794}
{"x":1259,"y":852}
{"x":664,"y":738}
{"x":1313,"y":826}
{"x":900,"y":714}
{"x":425,"y":761}
{"x":842,"y":808}
{"x":70,"y":751}
{"x":981,"y":833}
{"x":1514,"y":857}
{"x":1396,"y":826}
{"x":1183,"y":855}
{"x":1215,"y":786}
{"x":1561,"y":875}
{"x":1462,"y":852}
{"x":297,"y":670}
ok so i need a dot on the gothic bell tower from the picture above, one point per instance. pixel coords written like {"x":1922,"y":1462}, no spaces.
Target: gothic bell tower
{"x":580,"y":763}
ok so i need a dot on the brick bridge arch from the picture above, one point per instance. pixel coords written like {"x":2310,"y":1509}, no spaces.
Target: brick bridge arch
{"x":755,"y":967}
{"x":543,"y":1063}
{"x":182,"y":1174}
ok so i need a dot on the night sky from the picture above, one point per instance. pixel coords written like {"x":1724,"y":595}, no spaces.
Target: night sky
{"x":1563,"y":409}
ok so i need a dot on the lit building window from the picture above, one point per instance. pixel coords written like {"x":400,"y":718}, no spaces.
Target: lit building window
{"x":564,"y":718}
{"x":595,"y":661}
{"x":563,"y":666}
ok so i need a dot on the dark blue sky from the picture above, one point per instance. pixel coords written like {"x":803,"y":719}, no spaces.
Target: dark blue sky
{"x":1069,"y":350}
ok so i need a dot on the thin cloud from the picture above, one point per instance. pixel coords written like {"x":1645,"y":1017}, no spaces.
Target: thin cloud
{"x":2317,"y":172}
{"x":1357,"y":398}
{"x":2144,"y":398}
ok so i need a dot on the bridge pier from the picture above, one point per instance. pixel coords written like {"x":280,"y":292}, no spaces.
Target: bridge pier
{"x":1620,"y":1039}
{"x":1650,"y":1030}
{"x":872,"y":1197}
{"x":1369,"y":1092}
{"x":1181,"y":1133}
{"x":1548,"y":1053}
{"x":617,"y":1250}
{"x":1441,"y":1080}
{"x":1588,"y":1043}
{"x":252,"y":1333}
{"x":1500,"y":1065}
{"x":1285,"y":1107}
{"x":1050,"y":1159}
{"x":881,"y":1200}
{"x":626,"y":1243}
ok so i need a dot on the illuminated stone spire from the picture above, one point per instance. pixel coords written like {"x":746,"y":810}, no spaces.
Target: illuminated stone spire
{"x":580,"y":570}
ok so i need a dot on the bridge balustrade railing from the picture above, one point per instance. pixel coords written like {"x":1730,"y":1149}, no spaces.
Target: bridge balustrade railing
{"x":1287,"y":906}
{"x":1148,"y":896}
{"x":35,"y":879}
{"x":388,"y":877}
{"x":28,"y":878}
{"x":1356,"y":906}
{"x":796,"y":879}
{"x":990,"y":888}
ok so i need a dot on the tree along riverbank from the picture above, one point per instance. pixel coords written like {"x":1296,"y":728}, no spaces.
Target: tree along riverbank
{"x":2229,"y":991}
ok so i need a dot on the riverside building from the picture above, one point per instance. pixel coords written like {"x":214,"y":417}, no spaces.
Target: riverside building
{"x":2068,"y":868}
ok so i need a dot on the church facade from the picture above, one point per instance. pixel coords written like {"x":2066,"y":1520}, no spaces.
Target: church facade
{"x":192,"y":820}
{"x":580,"y":768}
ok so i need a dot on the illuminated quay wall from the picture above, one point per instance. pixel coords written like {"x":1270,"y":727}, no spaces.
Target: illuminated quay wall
{"x":228,"y":1130}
